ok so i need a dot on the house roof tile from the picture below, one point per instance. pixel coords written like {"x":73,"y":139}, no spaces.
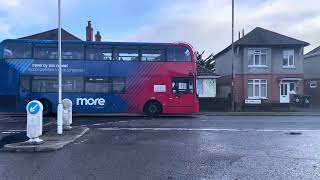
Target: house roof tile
{"x":53,"y":35}
{"x":202,"y":71}
{"x":263,"y":37}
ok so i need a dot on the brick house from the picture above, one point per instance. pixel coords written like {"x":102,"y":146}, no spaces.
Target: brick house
{"x":311,"y":66}
{"x":268,"y":67}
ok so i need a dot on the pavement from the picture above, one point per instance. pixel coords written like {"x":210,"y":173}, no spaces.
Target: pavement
{"x":260,"y":113}
{"x":200,"y":147}
{"x":51,"y":141}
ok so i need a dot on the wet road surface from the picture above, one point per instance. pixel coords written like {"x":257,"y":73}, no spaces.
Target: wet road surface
{"x":186,"y":147}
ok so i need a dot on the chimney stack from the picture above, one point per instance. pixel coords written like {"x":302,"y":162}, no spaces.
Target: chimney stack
{"x":98,"y":36}
{"x":89,"y":32}
{"x":242,"y":32}
{"x":239,"y":35}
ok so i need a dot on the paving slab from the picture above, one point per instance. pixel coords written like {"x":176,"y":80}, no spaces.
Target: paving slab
{"x":52,"y":141}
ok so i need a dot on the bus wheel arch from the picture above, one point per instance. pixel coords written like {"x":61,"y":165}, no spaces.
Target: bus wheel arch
{"x":47,"y":106}
{"x":153,"y":108}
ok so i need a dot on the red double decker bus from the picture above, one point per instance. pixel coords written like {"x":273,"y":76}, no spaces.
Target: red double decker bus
{"x":100,"y":77}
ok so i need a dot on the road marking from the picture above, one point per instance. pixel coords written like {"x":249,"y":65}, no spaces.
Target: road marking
{"x":6,"y":132}
{"x":5,"y":118}
{"x":13,"y":131}
{"x":48,"y":123}
{"x":206,"y":129}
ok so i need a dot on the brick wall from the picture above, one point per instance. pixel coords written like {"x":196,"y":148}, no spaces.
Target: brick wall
{"x":273,"y":88}
{"x":313,"y":92}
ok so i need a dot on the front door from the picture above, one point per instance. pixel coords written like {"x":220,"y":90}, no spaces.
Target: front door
{"x":284,"y":92}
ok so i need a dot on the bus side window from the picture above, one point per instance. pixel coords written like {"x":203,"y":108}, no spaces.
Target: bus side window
{"x":182,"y":85}
{"x":152,"y":54}
{"x":72,"y":51}
{"x":46,"y":51}
{"x":178,"y":54}
{"x":99,"y":52}
{"x":126,"y":54}
{"x":97,"y":85}
{"x":118,"y":85}
{"x":25,"y":83}
{"x":17,"y":50}
{"x":50,"y":51}
{"x":49,"y":84}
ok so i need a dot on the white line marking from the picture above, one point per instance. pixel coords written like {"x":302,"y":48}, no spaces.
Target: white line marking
{"x":6,"y":118}
{"x":99,"y":124}
{"x":48,"y":123}
{"x":16,"y":130}
{"x":13,"y":131}
{"x":207,"y":129}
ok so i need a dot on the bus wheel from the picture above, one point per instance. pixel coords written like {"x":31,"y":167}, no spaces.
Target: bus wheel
{"x":47,"y":107}
{"x":152,"y":108}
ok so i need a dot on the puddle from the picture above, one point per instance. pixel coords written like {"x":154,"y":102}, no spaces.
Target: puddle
{"x":293,"y":133}
{"x":15,"y":138}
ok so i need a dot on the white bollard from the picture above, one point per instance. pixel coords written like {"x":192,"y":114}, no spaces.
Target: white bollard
{"x":34,"y":122}
{"x":67,"y":114}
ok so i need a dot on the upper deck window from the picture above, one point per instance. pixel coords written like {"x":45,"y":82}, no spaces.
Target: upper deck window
{"x":95,"y":52}
{"x":126,"y":54}
{"x":50,"y":51}
{"x":17,"y":50}
{"x":177,"y":53}
{"x":152,"y":54}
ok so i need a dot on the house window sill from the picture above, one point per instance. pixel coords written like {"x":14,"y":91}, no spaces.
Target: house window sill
{"x":288,"y":67}
{"x":262,"y":66}
{"x":257,"y":98}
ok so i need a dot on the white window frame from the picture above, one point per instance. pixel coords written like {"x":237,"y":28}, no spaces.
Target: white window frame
{"x":259,"y":53}
{"x":286,"y":54}
{"x":313,"y":84}
{"x":260,"y":88}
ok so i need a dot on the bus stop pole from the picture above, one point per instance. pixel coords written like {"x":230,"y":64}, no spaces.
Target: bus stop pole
{"x":59,"y":108}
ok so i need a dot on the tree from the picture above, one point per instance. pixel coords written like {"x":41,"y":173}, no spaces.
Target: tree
{"x":208,"y":62}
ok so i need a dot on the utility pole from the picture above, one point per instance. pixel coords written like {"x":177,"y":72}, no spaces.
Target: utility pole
{"x":232,"y":66}
{"x":59,"y":109}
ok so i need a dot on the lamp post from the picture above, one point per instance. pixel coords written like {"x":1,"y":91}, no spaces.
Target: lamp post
{"x":59,"y":108}
{"x":232,"y":63}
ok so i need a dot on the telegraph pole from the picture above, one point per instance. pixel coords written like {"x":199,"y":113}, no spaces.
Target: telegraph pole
{"x":59,"y":109}
{"x":232,"y":66}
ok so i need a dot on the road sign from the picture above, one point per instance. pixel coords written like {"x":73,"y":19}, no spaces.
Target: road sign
{"x":34,"y":121}
{"x":33,"y":107}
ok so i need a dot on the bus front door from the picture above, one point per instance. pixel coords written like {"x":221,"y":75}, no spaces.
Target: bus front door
{"x":182,"y":96}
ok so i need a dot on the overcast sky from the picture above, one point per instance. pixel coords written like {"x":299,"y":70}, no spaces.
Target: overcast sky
{"x":206,"y":24}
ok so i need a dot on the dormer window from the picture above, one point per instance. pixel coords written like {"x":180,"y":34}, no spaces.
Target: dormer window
{"x":257,"y":58}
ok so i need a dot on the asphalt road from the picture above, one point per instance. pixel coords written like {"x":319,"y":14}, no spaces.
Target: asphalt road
{"x":168,"y":148}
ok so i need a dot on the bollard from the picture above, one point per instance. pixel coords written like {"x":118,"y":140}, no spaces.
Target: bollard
{"x":67,"y":114}
{"x":34,"y":122}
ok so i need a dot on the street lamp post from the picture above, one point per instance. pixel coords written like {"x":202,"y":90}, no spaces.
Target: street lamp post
{"x":59,"y":108}
{"x":232,"y":64}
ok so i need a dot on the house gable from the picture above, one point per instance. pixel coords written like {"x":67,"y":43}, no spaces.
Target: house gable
{"x":260,"y":37}
{"x":53,"y":35}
